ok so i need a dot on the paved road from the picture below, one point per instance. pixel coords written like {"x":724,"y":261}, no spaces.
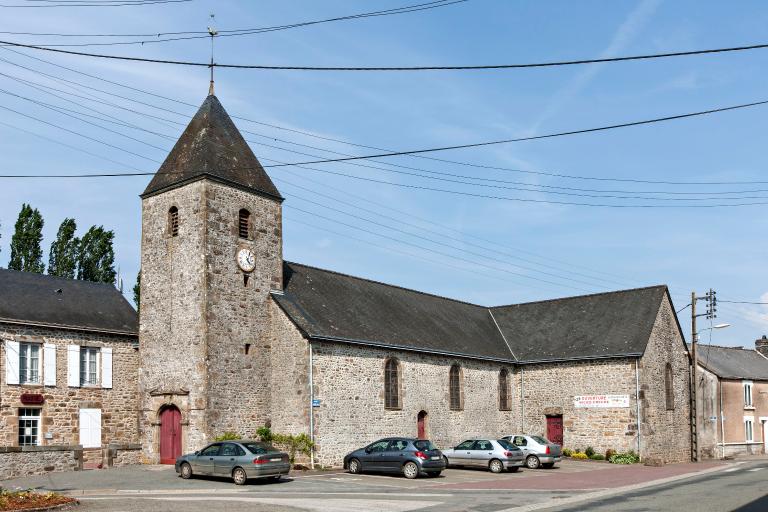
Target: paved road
{"x":740,"y":488}
{"x":158,"y":488}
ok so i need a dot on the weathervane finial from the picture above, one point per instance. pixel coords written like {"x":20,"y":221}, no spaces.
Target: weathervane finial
{"x":213,"y":32}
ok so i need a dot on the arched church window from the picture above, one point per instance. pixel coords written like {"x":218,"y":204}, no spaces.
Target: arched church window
{"x":392,"y":384}
{"x":504,"y":401}
{"x":173,"y":221}
{"x":244,"y":223}
{"x":669,"y":389}
{"x":454,"y":386}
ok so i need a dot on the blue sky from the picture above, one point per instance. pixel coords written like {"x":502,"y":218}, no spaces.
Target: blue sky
{"x":488,"y":251}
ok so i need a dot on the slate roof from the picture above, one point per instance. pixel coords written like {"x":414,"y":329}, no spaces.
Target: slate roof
{"x":733,"y":362}
{"x":35,"y":298}
{"x":212,"y":146}
{"x":332,"y":306}
{"x":587,"y":326}
{"x":329,"y":305}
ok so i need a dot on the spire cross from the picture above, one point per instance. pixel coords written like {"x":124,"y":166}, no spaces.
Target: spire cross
{"x":213,"y":32}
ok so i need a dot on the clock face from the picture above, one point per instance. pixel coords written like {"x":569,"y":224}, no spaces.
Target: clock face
{"x":246,"y":260}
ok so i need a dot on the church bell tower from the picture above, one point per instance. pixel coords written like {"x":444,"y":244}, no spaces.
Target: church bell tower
{"x":211,"y":251}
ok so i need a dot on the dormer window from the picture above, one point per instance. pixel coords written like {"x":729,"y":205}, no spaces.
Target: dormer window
{"x":173,"y":221}
{"x":244,"y":223}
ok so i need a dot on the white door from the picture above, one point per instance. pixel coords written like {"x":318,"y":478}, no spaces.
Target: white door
{"x":90,"y":428}
{"x":764,"y":423}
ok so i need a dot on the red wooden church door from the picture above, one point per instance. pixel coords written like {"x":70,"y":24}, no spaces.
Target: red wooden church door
{"x":555,"y":429}
{"x":170,"y":435}
{"x":421,"y":425}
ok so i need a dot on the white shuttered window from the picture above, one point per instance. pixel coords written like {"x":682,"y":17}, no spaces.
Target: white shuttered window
{"x":106,"y":367}
{"x":49,"y":364}
{"x":11,"y":362}
{"x":73,"y":366}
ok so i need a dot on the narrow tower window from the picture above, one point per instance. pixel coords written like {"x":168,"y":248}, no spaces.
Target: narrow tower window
{"x":244,"y":223}
{"x":669,"y":387}
{"x":454,"y":387}
{"x":504,"y":402}
{"x":392,"y":384}
{"x":173,"y":221}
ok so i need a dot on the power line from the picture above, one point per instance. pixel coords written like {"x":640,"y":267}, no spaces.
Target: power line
{"x":364,"y":146}
{"x":743,"y":302}
{"x":50,"y":48}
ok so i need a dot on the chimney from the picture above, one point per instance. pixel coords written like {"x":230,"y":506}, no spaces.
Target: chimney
{"x":761,"y":345}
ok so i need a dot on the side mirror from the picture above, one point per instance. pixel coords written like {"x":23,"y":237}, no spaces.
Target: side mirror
{"x":367,"y":450}
{"x":197,"y":452}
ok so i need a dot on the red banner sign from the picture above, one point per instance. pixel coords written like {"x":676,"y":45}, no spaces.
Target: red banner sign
{"x":32,"y":398}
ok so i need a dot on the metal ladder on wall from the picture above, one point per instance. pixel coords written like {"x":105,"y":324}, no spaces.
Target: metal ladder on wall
{"x":694,"y":426}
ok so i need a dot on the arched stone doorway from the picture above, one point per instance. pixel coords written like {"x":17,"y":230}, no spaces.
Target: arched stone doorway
{"x":170,"y":434}
{"x":421,"y":425}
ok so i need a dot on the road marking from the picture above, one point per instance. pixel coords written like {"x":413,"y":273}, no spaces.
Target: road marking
{"x":731,"y":470}
{"x":755,"y":469}
{"x":217,"y":492}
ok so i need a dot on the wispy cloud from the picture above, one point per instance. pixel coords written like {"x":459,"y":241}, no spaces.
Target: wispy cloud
{"x":624,"y":35}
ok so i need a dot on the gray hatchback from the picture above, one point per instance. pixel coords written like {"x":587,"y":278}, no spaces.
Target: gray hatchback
{"x":239,"y":460}
{"x":495,"y":455}
{"x":411,"y":457}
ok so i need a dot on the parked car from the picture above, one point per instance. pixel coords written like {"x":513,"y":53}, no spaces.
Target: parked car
{"x":538,"y":451}
{"x":411,"y":457}
{"x":239,"y":460}
{"x":495,"y":455}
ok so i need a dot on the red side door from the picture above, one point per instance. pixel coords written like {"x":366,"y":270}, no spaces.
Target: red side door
{"x":555,"y":429}
{"x":170,"y":435}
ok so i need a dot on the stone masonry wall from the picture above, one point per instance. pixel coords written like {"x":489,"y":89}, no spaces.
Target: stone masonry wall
{"x":708,"y":408}
{"x":172,"y":325}
{"x":665,"y":434}
{"x":550,"y":388}
{"x":290,"y":375}
{"x":238,"y":313}
{"x":38,"y":460}
{"x":60,"y":413}
{"x":349,"y":381}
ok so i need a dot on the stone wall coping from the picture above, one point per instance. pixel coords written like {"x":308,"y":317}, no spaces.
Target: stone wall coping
{"x":124,"y":446}
{"x":51,"y":448}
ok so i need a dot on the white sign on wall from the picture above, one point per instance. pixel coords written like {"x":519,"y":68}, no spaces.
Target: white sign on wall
{"x":601,"y":401}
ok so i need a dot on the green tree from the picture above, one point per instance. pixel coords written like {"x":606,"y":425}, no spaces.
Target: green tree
{"x":26,"y":250}
{"x":62,"y":258}
{"x":137,"y":291}
{"x":96,"y":258}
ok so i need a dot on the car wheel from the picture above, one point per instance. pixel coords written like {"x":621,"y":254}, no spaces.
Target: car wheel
{"x":532,"y":462}
{"x":513,"y":469}
{"x":239,"y":476}
{"x":434,"y":474}
{"x":445,"y":459}
{"x":548,"y":465}
{"x":410,"y":470}
{"x":496,"y":466}
{"x":185,"y":471}
{"x":355,"y":467}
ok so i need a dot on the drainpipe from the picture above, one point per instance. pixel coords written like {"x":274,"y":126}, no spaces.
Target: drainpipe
{"x":522,"y":400}
{"x":722,"y":421}
{"x":637,"y":404}
{"x":311,"y":408}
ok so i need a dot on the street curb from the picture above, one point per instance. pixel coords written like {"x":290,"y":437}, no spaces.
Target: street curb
{"x":618,"y":490}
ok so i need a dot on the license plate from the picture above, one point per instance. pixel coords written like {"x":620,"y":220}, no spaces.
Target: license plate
{"x":435,"y":458}
{"x":275,"y":460}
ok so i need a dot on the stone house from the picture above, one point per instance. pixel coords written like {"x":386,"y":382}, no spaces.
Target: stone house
{"x":732,"y":400}
{"x":68,"y":373}
{"x":347,"y":360}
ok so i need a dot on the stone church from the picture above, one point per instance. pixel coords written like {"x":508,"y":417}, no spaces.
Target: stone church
{"x":232,"y":337}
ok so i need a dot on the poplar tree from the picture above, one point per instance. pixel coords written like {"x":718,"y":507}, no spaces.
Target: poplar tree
{"x":62,"y":258}
{"x":137,"y":291}
{"x":26,"y":250}
{"x":96,"y":257}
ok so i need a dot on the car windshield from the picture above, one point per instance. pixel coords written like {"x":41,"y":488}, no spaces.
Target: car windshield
{"x":258,"y":448}
{"x":423,"y":444}
{"x":507,"y":445}
{"x":540,"y":440}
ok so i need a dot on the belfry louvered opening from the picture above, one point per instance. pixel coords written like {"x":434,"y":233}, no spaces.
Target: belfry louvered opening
{"x":173,"y":221}
{"x":244,"y":223}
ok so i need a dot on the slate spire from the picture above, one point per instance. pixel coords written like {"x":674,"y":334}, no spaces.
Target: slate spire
{"x":212,"y":147}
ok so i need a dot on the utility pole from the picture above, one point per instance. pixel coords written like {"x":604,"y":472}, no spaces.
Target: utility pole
{"x":711,"y":298}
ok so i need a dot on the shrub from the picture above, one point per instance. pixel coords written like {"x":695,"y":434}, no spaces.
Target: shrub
{"x":625,"y":458}
{"x":228,"y":436}
{"x":567,"y":452}
{"x":589,"y":452}
{"x":579,"y":455}
{"x":609,"y":453}
{"x":292,"y":444}
{"x":264,"y":433}
{"x":597,"y":456}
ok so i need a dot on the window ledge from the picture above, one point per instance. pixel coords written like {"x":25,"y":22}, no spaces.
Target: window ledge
{"x":399,"y":408}
{"x":749,"y":407}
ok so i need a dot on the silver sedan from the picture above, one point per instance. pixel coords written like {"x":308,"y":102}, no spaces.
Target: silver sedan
{"x":239,"y":460}
{"x":538,"y":451}
{"x":496,"y":455}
